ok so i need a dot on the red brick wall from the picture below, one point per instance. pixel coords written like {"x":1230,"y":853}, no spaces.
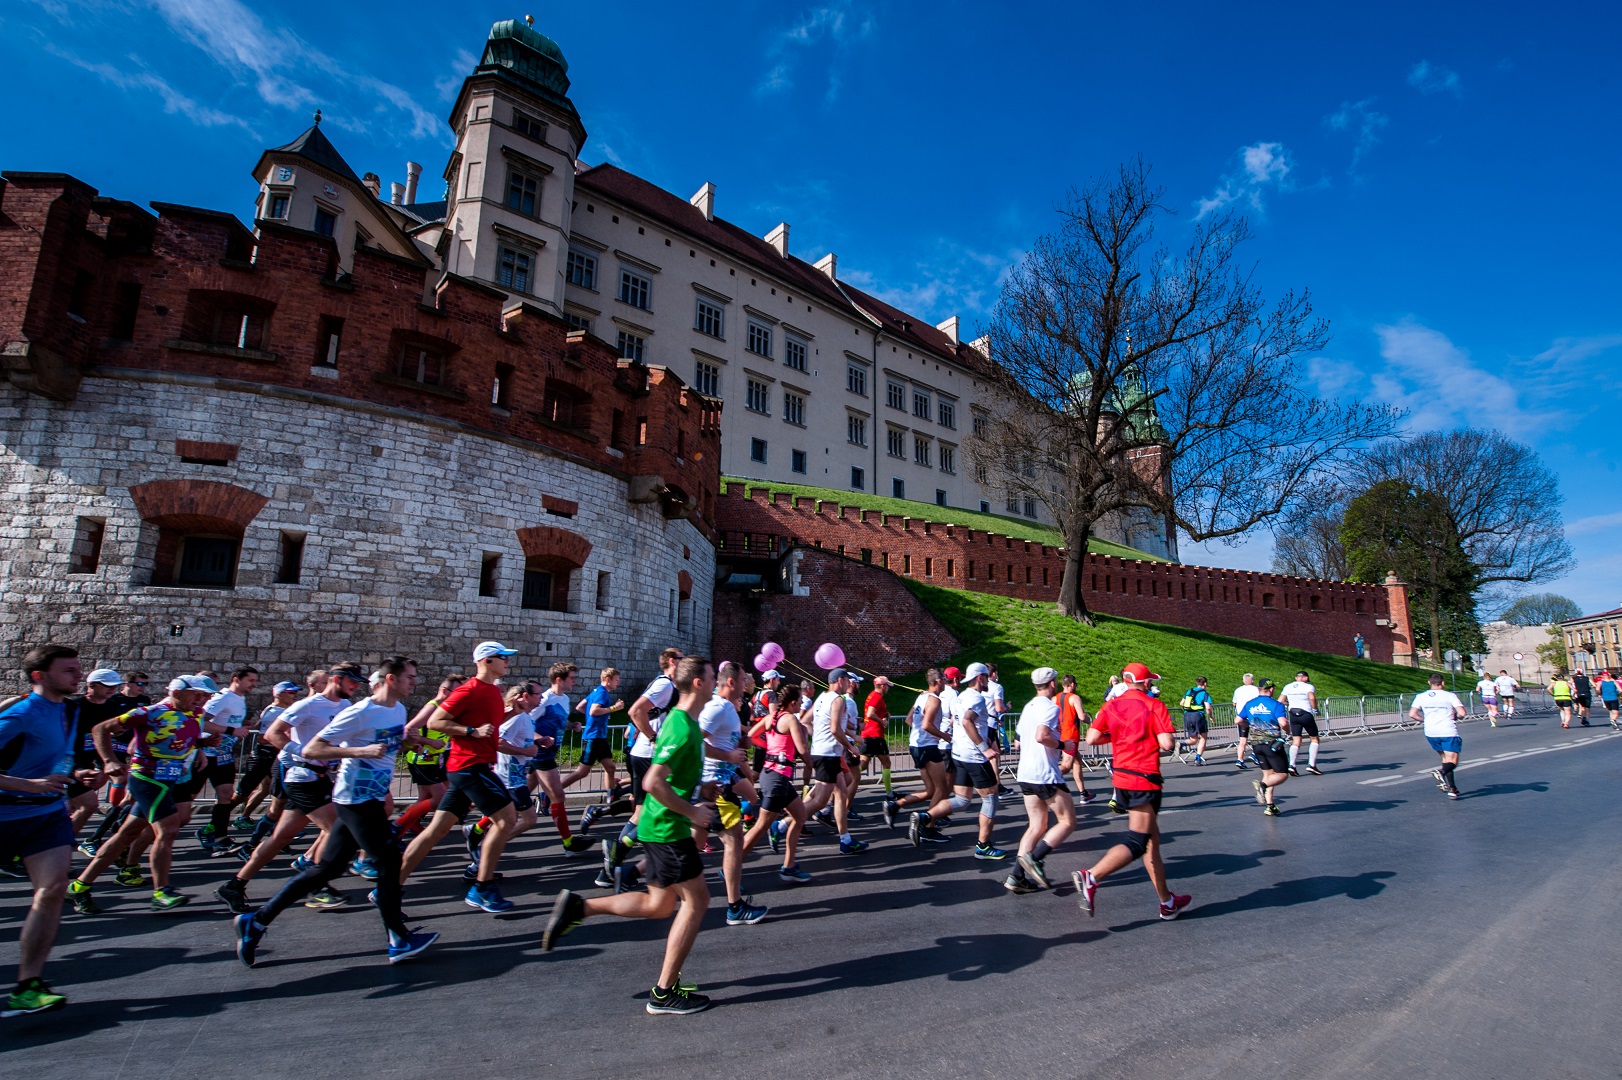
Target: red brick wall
{"x":1322,"y":616}
{"x":881,"y":626}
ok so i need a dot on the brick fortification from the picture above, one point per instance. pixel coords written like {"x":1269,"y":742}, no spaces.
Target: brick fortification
{"x":1320,"y":616}
{"x":169,"y":395}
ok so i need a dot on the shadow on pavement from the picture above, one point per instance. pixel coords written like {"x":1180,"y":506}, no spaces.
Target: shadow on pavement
{"x":1539,"y":786}
{"x":1310,"y":890}
{"x":1219,"y":863}
{"x":1383,"y":766}
{"x":1344,"y":806}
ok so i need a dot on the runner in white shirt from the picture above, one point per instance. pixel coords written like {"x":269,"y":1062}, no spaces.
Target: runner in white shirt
{"x":646,"y":713}
{"x":1488,"y":689}
{"x":948,"y":711}
{"x":999,"y":706}
{"x":228,"y":707}
{"x":924,"y":740}
{"x":1441,"y":711}
{"x":1041,"y":784}
{"x":974,"y":764}
{"x":1506,"y":692}
{"x":831,"y":752}
{"x":726,"y":778}
{"x":1241,"y":697}
{"x":1301,"y":699}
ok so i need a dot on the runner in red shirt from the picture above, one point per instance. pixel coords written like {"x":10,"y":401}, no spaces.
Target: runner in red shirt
{"x":1072,"y":728}
{"x":875,"y":743}
{"x":1138,"y":729}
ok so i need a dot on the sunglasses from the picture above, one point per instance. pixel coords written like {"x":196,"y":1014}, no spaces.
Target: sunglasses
{"x":137,"y":682}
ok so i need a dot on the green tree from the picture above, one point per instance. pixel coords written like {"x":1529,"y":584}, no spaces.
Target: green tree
{"x":1538,"y":609}
{"x":1553,"y":651}
{"x":1397,"y":528}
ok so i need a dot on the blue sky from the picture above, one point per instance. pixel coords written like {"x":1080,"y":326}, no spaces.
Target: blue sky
{"x":1441,"y":176}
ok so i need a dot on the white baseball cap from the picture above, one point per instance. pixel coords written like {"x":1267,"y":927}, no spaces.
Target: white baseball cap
{"x":976,"y":670}
{"x":1043,"y":675}
{"x":105,"y":676}
{"x":772,"y":674}
{"x":193,"y":682}
{"x":486,"y":649}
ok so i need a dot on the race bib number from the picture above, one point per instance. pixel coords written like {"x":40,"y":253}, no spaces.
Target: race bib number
{"x":169,"y":770}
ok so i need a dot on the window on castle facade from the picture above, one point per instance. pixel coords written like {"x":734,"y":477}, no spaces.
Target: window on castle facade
{"x":707,"y":378}
{"x":635,"y":290}
{"x":422,"y":365}
{"x":709,"y":319}
{"x":513,"y":270}
{"x":523,"y":192}
{"x":582,"y":269}
{"x":794,"y":353}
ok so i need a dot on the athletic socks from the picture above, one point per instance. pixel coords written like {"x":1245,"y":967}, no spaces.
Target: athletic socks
{"x":1040,"y":851}
{"x":844,"y":838}
{"x":1447,"y":773}
{"x":220,"y":819}
{"x":560,"y":814}
{"x":886,"y":774}
{"x":1312,"y":755}
{"x":411,"y":820}
{"x":1294,"y":750}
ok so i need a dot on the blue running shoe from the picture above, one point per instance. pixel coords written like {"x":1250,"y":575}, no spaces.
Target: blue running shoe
{"x":852,"y":847}
{"x":363,"y":867}
{"x":488,"y":899}
{"x":249,"y":934}
{"x":411,"y":946}
{"x":302,"y":863}
{"x":774,"y":837}
{"x":986,"y":851}
{"x":793,"y":874}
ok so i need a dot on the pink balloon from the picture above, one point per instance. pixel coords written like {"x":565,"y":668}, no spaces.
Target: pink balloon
{"x":830,"y":656}
{"x":773,"y":652}
{"x":763,"y":662}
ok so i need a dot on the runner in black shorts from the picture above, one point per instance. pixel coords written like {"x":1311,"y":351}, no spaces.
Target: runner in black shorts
{"x":1270,"y":729}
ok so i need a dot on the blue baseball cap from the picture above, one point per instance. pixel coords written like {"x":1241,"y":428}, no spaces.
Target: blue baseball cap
{"x":287,"y":686}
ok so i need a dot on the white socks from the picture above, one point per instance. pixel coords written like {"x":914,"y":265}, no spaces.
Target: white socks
{"x":1312,"y":755}
{"x":1294,"y":750}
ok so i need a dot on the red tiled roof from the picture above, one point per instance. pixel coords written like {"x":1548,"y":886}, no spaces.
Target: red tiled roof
{"x":1602,"y":615}
{"x":916,"y":332}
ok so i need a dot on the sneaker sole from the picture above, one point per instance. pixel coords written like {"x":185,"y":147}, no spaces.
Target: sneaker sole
{"x":991,"y":858}
{"x":1034,"y":872}
{"x":555,"y":927}
{"x":746,"y":922}
{"x":418,"y":951}
{"x":52,"y":1007}
{"x":492,"y":910}
{"x":666,"y":1010}
{"x":1081,"y":893}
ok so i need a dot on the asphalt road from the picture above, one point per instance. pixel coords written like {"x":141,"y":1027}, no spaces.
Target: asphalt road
{"x":1374,"y":927}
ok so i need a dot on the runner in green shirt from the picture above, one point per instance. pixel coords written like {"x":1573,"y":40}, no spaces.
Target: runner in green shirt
{"x":675,"y":870}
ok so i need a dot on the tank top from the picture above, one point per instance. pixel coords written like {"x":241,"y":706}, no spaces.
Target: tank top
{"x":823,"y":743}
{"x":780,"y":752}
{"x":1069,"y":719}
{"x":920,"y":737}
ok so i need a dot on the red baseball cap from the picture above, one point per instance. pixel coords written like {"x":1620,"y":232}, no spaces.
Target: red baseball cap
{"x":1139,"y":673}
{"x":951,"y":673}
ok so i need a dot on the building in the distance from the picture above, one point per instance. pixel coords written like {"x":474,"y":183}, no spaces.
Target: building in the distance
{"x":1594,"y":641}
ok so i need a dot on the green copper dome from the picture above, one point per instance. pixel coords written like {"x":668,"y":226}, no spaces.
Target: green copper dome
{"x":527,"y":53}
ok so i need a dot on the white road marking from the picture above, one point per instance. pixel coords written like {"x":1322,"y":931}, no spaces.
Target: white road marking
{"x":1393,"y":781}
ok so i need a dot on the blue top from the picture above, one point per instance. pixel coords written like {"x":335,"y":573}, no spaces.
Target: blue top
{"x":551,"y":720}
{"x":1201,"y":699}
{"x":596,"y":727}
{"x":33,"y":745}
{"x":1264,"y":715}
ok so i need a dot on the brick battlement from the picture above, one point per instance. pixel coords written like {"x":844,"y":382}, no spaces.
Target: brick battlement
{"x":1323,"y":616}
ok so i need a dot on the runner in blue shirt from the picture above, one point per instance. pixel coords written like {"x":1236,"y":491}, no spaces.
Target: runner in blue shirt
{"x":36,"y":764}
{"x":595,"y":746}
{"x":1269,"y":735}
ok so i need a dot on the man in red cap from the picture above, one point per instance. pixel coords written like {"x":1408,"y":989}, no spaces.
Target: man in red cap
{"x":1138,"y":729}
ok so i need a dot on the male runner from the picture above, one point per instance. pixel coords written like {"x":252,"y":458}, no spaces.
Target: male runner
{"x":726,"y":765}
{"x":163,"y":737}
{"x":228,"y":708}
{"x":363,"y":740}
{"x":676,"y":872}
{"x":260,"y":754}
{"x":925,"y":741}
{"x":974,"y":757}
{"x":1072,"y":728}
{"x":1139,"y":730}
{"x":552,"y":722}
{"x":1560,"y":690}
{"x":1582,"y":692}
{"x":646,"y":713}
{"x":830,"y":748}
{"x":875,"y":740}
{"x":1488,"y":689}
{"x":101,"y":701}
{"x":473,"y":715}
{"x":999,"y":706}
{"x":132,"y":695}
{"x":1609,"y":695}
{"x":1301,"y":699}
{"x":37,"y":760}
{"x":1269,"y":727}
{"x":1041,"y":784}
{"x":1441,"y":710}
{"x":426,"y":762}
{"x":1196,"y":706}
{"x":306,"y":788}
{"x":1506,"y":691}
{"x":599,"y":706}
{"x":1241,"y":696}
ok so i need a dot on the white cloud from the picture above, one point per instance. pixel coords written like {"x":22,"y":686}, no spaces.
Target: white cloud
{"x":950,"y":280}
{"x":829,"y":32}
{"x":1596,"y":523}
{"x":1360,"y":120}
{"x":1439,"y":384}
{"x":1429,"y":78}
{"x":1262,"y":165}
{"x":174,"y":102}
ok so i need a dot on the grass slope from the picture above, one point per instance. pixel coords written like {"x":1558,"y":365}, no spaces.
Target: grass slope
{"x":1021,"y":636}
{"x":1018,"y":528}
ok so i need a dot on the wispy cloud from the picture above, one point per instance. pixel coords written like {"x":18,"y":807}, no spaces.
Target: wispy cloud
{"x":174,"y":102}
{"x":1429,"y":78}
{"x":1597,"y":523}
{"x":949,"y":279}
{"x":1262,"y":166}
{"x":1358,"y":119}
{"x":828,"y":33}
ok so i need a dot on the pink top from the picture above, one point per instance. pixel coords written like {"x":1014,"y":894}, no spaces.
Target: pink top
{"x":780,"y":751}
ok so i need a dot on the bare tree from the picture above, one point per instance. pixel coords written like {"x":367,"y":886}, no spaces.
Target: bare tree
{"x":1541,"y":609}
{"x":1504,"y":502}
{"x":1139,"y":382}
{"x":1311,"y":547}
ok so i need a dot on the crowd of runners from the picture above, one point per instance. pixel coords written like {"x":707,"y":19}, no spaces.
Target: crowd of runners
{"x":716,"y":759}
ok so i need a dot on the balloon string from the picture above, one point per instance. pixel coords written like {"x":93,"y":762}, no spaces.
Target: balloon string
{"x":789,"y":663}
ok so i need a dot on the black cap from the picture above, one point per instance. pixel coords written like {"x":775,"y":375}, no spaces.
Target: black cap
{"x":1265,"y":684}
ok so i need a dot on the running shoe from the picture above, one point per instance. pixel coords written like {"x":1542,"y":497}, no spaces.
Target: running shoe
{"x":1441,"y":781}
{"x":1086,"y":798}
{"x":244,"y":852}
{"x":709,"y":848}
{"x":568,"y":910}
{"x":1174,"y":907}
{"x":1314,"y":770}
{"x":1294,"y":771}
{"x":575,"y":845}
{"x":371,"y":898}
{"x":242,"y":823}
{"x":793,"y":874}
{"x":1035,"y":870}
{"x":1199,"y":759}
{"x":626,"y":879}
{"x":774,"y":837}
{"x":603,"y":880}
{"x":915,"y":829}
{"x":1271,"y":810}
{"x":415,"y":942}
{"x":1453,"y":793}
{"x":88,"y":849}
{"x":488,"y":898}
{"x":473,"y":837}
{"x":1086,"y":890}
{"x":1494,"y":723}
{"x":302,"y":863}
{"x":989,"y":853}
{"x":234,"y":894}
{"x":745,"y":912}
{"x":677,"y":1001}
{"x":30,"y":997}
{"x":1241,"y":766}
{"x":890,"y":808}
{"x":854,"y":816}
{"x":1019,"y":886}
{"x":1116,"y":807}
{"x":362,"y":867}
{"x":1261,"y":791}
{"x":168,"y":898}
{"x":935,"y":836}
{"x":249,"y":934}
{"x":79,"y":897}
{"x":130,"y":877}
{"x":590,"y":816}
{"x":609,"y":861}
{"x":852,"y":846}
{"x":326,"y":898}
{"x":826,"y":817}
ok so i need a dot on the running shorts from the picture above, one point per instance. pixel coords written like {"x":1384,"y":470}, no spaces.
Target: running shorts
{"x":927,"y":755}
{"x":220,"y":773}
{"x":522,"y":799}
{"x":827,"y":769}
{"x":187,"y":789}
{"x":875,"y":746}
{"x":1303,"y":722}
{"x":1133,"y":799}
{"x":1272,"y":755}
{"x":1450,"y":744}
{"x":308,"y":796}
{"x":1244,"y":728}
{"x":596,"y":750}
{"x":976,"y":774}
{"x":672,"y":863}
{"x":776,"y":791}
{"x":24,"y":837}
{"x":637,"y":767}
{"x":1585,"y":700}
{"x":1195,"y":725}
{"x":427,"y":775}
{"x":1042,"y":791}
{"x":151,"y":800}
{"x":728,"y":812}
{"x":477,"y":786}
{"x":539,"y":763}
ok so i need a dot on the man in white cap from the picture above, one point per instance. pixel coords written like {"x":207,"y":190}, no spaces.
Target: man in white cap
{"x":1041,"y":784}
{"x":974,"y":765}
{"x":1242,"y":696}
{"x":162,"y":737}
{"x":101,"y":701}
{"x":472,"y":715}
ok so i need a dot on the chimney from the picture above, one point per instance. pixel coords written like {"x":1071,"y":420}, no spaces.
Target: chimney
{"x":396,"y":193}
{"x":704,"y":199}
{"x":413,"y":171}
{"x":778,"y":238}
{"x":949,"y":328}
{"x":829,"y":265}
{"x":982,"y":345}
{"x":372,"y":183}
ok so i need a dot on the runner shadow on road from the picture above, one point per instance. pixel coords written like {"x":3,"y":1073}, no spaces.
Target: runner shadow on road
{"x":1383,"y":766}
{"x":1310,"y":890}
{"x":1216,"y":862}
{"x":1539,"y":786}
{"x":1347,"y":806}
{"x":958,"y":959}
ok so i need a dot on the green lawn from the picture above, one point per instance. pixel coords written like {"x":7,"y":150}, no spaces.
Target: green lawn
{"x":1019,"y":528}
{"x":1021,"y":636}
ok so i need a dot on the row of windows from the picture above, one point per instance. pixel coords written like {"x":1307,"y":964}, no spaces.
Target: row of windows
{"x":895,"y":396}
{"x":758,"y":397}
{"x":759,"y":453}
{"x":895,"y":444}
